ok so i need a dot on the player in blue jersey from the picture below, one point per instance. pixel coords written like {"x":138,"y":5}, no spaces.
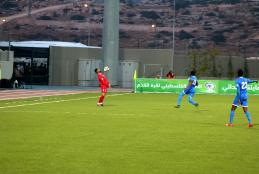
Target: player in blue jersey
{"x":189,"y":90}
{"x":241,"y":98}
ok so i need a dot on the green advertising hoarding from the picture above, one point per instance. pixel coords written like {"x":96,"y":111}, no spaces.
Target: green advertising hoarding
{"x":229,"y":87}
{"x":143,"y":85}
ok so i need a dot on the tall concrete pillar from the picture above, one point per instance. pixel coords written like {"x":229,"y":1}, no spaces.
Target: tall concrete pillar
{"x":111,"y":39}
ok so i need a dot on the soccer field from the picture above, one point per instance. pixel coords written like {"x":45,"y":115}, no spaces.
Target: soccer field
{"x":132,"y":134}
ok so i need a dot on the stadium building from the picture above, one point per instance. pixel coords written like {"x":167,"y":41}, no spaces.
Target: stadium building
{"x":73,"y":64}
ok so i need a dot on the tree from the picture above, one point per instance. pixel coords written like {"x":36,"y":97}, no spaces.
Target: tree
{"x":150,"y":14}
{"x":199,"y":62}
{"x":231,"y":1}
{"x":9,"y":4}
{"x":77,"y":17}
{"x":180,"y":4}
{"x":210,"y":14}
{"x":95,"y":12}
{"x":130,"y":3}
{"x":130,"y":14}
{"x":212,"y":55}
{"x":218,"y":38}
{"x":194,"y":44}
{"x":194,"y":56}
{"x":204,"y":62}
{"x":246,"y":69}
{"x":44,"y":18}
{"x":230,"y":67}
{"x":184,"y":35}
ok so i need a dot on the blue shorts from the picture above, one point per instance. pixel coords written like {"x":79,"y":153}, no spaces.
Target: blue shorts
{"x":240,"y":101}
{"x":190,"y":93}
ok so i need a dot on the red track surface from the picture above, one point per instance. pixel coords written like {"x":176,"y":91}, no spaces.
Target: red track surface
{"x":23,"y":94}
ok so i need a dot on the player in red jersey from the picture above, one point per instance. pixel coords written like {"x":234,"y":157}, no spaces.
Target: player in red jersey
{"x":104,"y":84}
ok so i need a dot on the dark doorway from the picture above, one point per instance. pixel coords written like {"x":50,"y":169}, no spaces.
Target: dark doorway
{"x":31,"y":65}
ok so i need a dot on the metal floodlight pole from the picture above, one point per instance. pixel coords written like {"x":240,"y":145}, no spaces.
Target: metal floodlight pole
{"x":111,"y":39}
{"x":87,"y":7}
{"x":3,"y":21}
{"x":173,"y":48}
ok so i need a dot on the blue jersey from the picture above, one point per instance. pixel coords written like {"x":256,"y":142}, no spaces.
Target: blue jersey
{"x":194,"y":83}
{"x":241,"y":85}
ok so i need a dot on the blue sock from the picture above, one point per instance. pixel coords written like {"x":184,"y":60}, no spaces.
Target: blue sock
{"x":191,"y":101}
{"x":180,"y":98}
{"x":232,"y":113}
{"x":248,"y":116}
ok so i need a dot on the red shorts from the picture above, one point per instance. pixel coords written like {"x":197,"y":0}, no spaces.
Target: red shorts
{"x":104,"y":90}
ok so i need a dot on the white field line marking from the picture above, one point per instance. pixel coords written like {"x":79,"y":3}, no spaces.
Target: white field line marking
{"x":58,"y":101}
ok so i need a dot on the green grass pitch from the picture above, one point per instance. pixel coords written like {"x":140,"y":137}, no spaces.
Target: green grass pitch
{"x":132,"y":134}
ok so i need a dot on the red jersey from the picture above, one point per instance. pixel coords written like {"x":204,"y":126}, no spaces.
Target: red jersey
{"x":104,"y":83}
{"x":170,"y":75}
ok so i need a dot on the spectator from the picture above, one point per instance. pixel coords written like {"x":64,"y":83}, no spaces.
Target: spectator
{"x":170,"y":75}
{"x":158,"y":76}
{"x":15,"y":84}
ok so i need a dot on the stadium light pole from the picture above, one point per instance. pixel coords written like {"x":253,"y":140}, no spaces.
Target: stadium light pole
{"x":1,"y":28}
{"x":8,"y":36}
{"x":173,"y":47}
{"x":89,"y":28}
{"x":110,"y":43}
{"x":153,"y":26}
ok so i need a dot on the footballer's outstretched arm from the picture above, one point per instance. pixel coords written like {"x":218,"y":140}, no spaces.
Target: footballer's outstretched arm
{"x":252,"y":81}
